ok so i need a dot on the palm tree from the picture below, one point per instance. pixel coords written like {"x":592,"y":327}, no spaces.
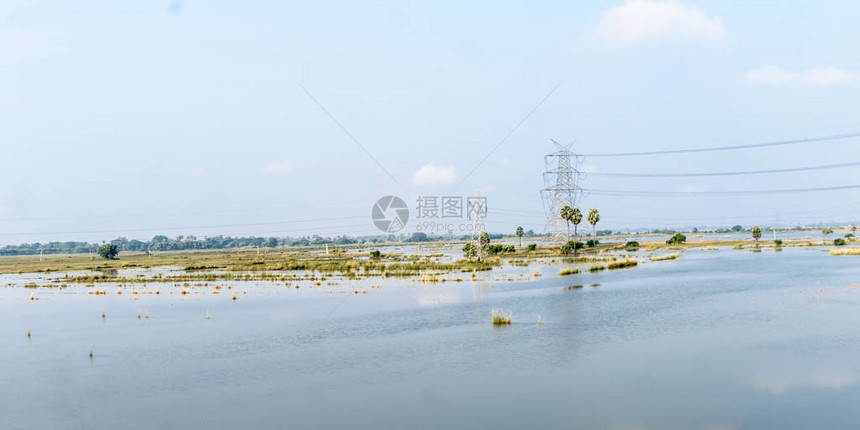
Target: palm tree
{"x":593,"y":218}
{"x":566,"y":214}
{"x":575,"y":218}
{"x":520,"y":234}
{"x":756,"y":233}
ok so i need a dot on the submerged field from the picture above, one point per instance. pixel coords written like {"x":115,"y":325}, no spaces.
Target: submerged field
{"x":216,"y":340}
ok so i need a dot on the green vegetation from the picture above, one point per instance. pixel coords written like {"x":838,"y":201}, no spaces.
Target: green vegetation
{"x":756,"y":233}
{"x":501,"y":318}
{"x":593,"y":218}
{"x":777,"y":242}
{"x":418,"y":237}
{"x":592,"y":243}
{"x":571,"y":247}
{"x":108,"y":251}
{"x":566,"y":213}
{"x":520,"y":233}
{"x":531,"y":247}
{"x":677,"y":239}
{"x":622,"y":264}
{"x":631,"y":245}
{"x":484,"y":239}
{"x":376,"y":254}
{"x":672,"y":256}
{"x":839,"y":241}
{"x":568,"y":271}
{"x":499,"y":249}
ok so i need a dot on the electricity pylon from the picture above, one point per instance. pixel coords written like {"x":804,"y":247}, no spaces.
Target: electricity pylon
{"x":560,"y":181}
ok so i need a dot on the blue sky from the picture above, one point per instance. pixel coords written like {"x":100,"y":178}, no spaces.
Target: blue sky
{"x":187,"y":117}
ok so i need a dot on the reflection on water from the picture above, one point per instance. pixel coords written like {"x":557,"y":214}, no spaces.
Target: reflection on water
{"x":715,"y":339}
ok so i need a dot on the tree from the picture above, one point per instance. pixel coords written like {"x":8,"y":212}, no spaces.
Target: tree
{"x":566,"y":214}
{"x":484,"y":239}
{"x":827,"y":230}
{"x":593,"y":218}
{"x":575,"y":218}
{"x":756,"y":233}
{"x":271,"y":242}
{"x":520,"y":234}
{"x":108,"y":251}
{"x":570,"y":246}
{"x":737,"y":228}
{"x":419,"y":237}
{"x":677,"y":239}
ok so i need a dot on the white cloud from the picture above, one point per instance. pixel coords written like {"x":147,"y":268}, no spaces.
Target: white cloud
{"x":279,"y":167}
{"x":430,"y":174}
{"x":773,"y":75}
{"x":638,"y":20}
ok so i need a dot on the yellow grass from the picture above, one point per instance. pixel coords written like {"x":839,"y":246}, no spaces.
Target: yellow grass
{"x":621,"y":264}
{"x":845,"y":251}
{"x":672,"y":256}
{"x":568,"y":271}
{"x":501,"y":318}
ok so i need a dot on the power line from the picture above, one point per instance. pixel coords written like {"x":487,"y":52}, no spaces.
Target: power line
{"x":732,"y":147}
{"x":717,"y":193}
{"x":738,"y":173}
{"x":187,"y":227}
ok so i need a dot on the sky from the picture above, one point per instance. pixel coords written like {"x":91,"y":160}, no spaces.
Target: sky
{"x":274,"y":118}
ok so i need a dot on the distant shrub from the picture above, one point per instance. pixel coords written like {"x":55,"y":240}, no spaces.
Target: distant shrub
{"x":375,"y":254}
{"x":592,"y":243}
{"x":571,"y":246}
{"x":632,"y":245}
{"x":531,"y":246}
{"x":777,"y":242}
{"x":839,"y":241}
{"x":498,"y":249}
{"x":677,"y":239}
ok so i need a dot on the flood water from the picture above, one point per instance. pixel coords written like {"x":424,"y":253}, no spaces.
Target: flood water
{"x":726,"y":339}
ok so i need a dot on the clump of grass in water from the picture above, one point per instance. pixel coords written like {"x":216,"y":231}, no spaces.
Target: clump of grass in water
{"x":596,"y":268}
{"x":845,"y":251}
{"x":568,"y":271}
{"x":501,"y":318}
{"x":623,"y":264}
{"x":672,"y":256}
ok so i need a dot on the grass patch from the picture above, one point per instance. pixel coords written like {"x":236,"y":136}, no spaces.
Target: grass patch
{"x":501,"y":318}
{"x":672,"y":256}
{"x":845,"y":251}
{"x":568,"y":271}
{"x":623,"y":264}
{"x":596,"y":268}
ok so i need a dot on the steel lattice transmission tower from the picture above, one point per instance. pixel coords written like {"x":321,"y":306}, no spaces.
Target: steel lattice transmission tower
{"x":560,"y":181}
{"x":477,"y":213}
